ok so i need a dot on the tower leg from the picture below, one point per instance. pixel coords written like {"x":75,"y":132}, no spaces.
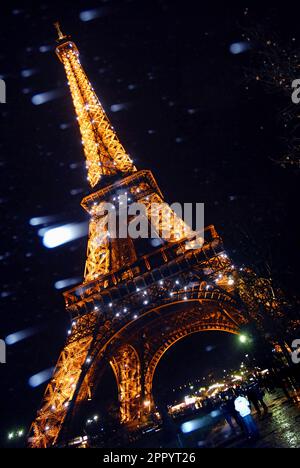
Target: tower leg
{"x":127,"y":369}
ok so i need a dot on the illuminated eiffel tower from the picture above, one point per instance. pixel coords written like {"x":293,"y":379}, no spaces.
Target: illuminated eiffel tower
{"x":131,"y":307}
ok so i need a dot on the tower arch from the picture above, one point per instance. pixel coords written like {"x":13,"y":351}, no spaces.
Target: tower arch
{"x":135,"y":350}
{"x":170,"y":342}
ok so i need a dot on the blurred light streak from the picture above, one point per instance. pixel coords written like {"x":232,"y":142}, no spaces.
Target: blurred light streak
{"x":5,"y":294}
{"x":208,"y":349}
{"x":193,"y":425}
{"x":21,"y":335}
{"x":26,"y":73}
{"x":47,"y":96}
{"x":76,"y":191}
{"x":54,"y":237}
{"x":41,"y":220}
{"x":118,"y":107}
{"x":61,"y":284}
{"x":156,"y":242}
{"x":239,"y":47}
{"x":45,"y":48}
{"x":89,"y":15}
{"x":41,"y":377}
{"x":198,"y":423}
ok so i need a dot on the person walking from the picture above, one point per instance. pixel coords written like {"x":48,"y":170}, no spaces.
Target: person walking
{"x":256,"y":396}
{"x":242,"y":406}
{"x":230,"y":414}
{"x":260,"y":396}
{"x":226,"y":411}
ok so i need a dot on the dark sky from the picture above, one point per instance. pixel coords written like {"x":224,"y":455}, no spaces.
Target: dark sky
{"x":189,"y":115}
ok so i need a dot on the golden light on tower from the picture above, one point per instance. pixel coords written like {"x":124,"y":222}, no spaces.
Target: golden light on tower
{"x":111,"y":300}
{"x":104,"y":153}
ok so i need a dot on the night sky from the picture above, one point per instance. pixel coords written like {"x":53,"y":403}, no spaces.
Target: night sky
{"x":182,"y":106}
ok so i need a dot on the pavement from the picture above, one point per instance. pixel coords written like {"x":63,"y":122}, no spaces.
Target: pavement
{"x":280,"y":428}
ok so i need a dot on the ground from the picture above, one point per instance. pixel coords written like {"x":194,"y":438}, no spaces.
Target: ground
{"x":279,"y":429}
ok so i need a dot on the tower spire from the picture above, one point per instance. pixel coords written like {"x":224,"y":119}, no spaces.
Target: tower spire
{"x":104,"y":153}
{"x":60,"y":34}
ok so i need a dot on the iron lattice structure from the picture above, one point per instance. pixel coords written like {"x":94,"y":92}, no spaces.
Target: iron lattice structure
{"x":104,"y":153}
{"x":130,"y":308}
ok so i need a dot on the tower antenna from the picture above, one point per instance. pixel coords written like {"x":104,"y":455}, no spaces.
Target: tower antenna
{"x":59,"y":31}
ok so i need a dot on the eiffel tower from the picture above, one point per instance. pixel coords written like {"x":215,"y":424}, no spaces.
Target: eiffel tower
{"x":131,"y":307}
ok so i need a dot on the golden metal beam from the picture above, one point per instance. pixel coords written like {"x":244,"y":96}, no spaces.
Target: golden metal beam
{"x":127,"y":369}
{"x":98,"y":249}
{"x":59,"y":393}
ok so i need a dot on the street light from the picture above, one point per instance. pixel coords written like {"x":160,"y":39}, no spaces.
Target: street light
{"x":15,"y":434}
{"x":243,"y":338}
